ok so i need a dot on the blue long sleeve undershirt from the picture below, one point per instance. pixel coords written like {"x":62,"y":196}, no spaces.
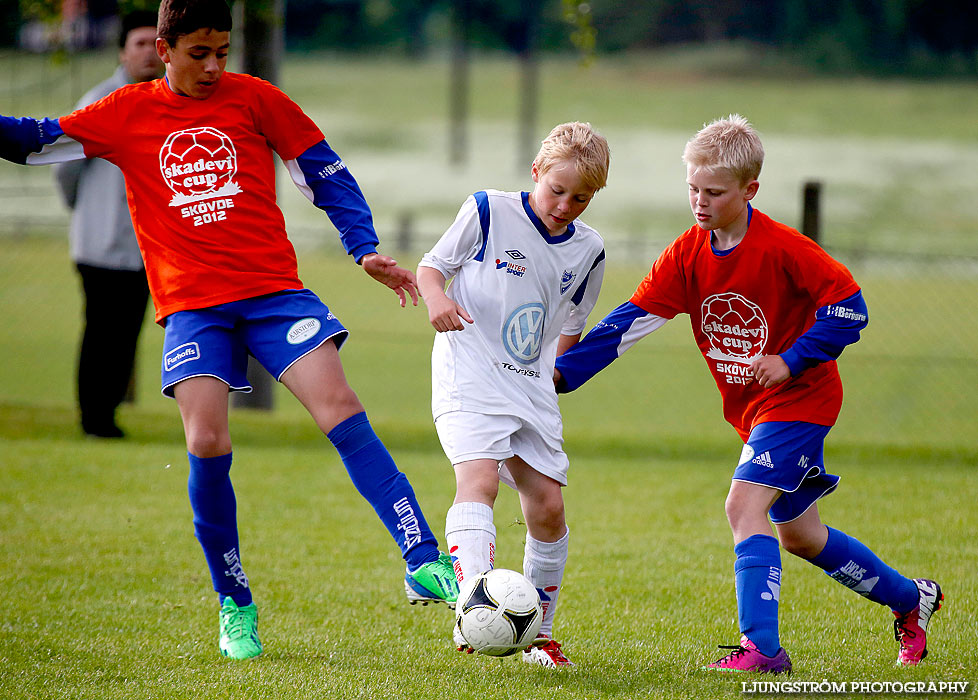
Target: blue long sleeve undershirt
{"x":20,"y":137}
{"x":836,"y":326}
{"x":333,"y":189}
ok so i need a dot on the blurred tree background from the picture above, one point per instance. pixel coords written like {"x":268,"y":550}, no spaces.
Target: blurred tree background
{"x":849,"y":36}
{"x":873,"y":37}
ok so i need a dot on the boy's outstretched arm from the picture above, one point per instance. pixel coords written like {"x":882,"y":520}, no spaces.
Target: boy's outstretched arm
{"x":567,"y":341}
{"x":385,"y":270}
{"x":322,"y":176}
{"x":28,"y":141}
{"x":605,"y":343}
{"x":836,"y":326}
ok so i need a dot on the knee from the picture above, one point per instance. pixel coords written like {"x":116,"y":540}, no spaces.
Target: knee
{"x":546,"y":518}
{"x":734,"y":509}
{"x":345,"y":401}
{"x":336,"y":407}
{"x":208,"y":441}
{"x":476,"y":483}
{"x":553,"y":512}
{"x":802,"y":544}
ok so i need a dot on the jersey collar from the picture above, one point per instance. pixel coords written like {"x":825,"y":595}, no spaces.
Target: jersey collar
{"x":535,"y":220}
{"x":724,"y":253}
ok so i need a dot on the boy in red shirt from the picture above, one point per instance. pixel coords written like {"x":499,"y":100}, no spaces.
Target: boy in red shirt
{"x":196,"y":151}
{"x":770,"y":311}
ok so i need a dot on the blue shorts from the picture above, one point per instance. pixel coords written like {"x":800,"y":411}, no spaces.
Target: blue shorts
{"x":277,"y":329}
{"x":787,"y":455}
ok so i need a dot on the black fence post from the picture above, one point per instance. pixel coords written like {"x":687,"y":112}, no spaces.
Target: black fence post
{"x":811,"y":216}
{"x":458,"y":84}
{"x":529,"y":85}
{"x":405,"y":232}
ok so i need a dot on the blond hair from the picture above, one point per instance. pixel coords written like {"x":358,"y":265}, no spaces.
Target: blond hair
{"x":579,"y":142}
{"x":729,"y":144}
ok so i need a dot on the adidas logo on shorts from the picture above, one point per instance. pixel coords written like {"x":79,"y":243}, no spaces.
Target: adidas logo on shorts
{"x":764,"y":459}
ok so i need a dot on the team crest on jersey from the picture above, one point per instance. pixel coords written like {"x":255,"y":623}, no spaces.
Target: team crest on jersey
{"x":523,"y":332}
{"x":199,"y":164}
{"x":566,"y":280}
{"x":737,"y":331}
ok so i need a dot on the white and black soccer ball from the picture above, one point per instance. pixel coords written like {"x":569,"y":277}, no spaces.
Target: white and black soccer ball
{"x":498,"y":612}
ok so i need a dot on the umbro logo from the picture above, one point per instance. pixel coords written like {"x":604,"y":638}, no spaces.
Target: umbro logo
{"x":515,"y":254}
{"x":764,"y":459}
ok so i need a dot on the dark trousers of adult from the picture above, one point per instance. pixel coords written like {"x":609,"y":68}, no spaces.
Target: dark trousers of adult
{"x":115,"y":305}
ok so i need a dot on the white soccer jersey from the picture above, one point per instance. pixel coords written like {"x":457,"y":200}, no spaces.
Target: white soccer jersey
{"x":523,"y":288}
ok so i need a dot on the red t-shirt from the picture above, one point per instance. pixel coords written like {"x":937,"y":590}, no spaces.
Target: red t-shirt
{"x":200,"y":180}
{"x":756,"y":300}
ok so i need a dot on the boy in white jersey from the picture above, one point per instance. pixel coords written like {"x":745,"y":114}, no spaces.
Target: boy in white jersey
{"x":526,"y":275}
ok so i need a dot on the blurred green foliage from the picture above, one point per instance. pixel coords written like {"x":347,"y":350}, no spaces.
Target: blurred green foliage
{"x":878,"y":37}
{"x":865,"y":37}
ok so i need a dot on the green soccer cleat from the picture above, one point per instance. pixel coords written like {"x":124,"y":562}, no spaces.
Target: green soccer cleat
{"x":433,"y":582}
{"x":239,"y":630}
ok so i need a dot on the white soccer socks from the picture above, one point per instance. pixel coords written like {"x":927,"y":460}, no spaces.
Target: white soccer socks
{"x":471,"y":538}
{"x":543,"y":564}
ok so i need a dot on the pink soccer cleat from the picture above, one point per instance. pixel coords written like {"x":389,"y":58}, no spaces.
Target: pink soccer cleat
{"x":910,"y":628}
{"x":746,"y":658}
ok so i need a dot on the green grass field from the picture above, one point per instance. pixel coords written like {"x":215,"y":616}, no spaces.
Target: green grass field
{"x":106,"y":594}
{"x":103,"y":590}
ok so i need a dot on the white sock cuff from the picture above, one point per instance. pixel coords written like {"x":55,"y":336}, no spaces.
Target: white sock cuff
{"x":553,"y":554}
{"x":469,"y":516}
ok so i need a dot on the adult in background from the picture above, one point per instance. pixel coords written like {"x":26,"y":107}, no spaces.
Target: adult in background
{"x":104,"y":249}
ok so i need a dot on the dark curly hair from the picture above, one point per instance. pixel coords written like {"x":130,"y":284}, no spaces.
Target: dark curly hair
{"x":180,"y":17}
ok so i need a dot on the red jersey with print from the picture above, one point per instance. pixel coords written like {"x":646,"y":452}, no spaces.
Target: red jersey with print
{"x":200,"y":179}
{"x":755,"y":300}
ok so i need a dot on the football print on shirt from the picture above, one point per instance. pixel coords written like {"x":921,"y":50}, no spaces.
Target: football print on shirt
{"x":737,"y":331}
{"x":198,"y":165}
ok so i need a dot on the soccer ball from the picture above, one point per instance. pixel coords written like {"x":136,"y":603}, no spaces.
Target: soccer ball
{"x":498,"y":612}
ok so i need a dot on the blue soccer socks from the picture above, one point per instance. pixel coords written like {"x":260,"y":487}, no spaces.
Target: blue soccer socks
{"x":378,"y":480}
{"x":855,"y":566}
{"x":758,"y":574}
{"x":216,"y":526}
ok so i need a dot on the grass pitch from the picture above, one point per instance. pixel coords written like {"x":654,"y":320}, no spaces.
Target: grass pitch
{"x":106,"y":594}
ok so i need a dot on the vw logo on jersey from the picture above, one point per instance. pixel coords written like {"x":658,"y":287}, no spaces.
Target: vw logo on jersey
{"x":523,"y":332}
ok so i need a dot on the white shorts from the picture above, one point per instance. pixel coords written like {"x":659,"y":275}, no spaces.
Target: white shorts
{"x":466,"y":436}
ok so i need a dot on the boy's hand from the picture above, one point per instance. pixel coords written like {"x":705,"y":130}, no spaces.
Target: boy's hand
{"x":445,"y":314}
{"x":385,"y":270}
{"x":770,"y":370}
